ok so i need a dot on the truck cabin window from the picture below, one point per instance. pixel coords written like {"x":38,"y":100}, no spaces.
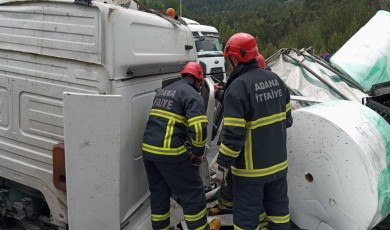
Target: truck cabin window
{"x":208,"y":44}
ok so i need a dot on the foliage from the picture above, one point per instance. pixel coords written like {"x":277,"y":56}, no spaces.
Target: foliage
{"x":324,"y":24}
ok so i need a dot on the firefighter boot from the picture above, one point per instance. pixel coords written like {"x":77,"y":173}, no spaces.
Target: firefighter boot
{"x":224,"y":207}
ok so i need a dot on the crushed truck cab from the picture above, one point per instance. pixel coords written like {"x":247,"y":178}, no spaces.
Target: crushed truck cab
{"x":85,"y":76}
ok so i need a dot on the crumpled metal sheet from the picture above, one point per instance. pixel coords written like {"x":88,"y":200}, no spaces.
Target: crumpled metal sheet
{"x":310,"y":76}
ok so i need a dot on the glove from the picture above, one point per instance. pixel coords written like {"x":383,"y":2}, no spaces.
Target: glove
{"x":220,"y":175}
{"x":196,"y":161}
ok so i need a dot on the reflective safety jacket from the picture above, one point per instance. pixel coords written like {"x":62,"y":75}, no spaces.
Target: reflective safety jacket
{"x":256,"y":115}
{"x":177,"y":115}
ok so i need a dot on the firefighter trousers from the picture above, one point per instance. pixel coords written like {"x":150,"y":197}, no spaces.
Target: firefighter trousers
{"x":251,"y":199}
{"x":182,"y":180}
{"x":225,"y":200}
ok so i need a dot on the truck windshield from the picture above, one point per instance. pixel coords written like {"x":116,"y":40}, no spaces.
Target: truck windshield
{"x":208,"y":44}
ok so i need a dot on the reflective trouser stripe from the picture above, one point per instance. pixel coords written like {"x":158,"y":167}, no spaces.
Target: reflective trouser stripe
{"x":262,"y":216}
{"x":227,"y":204}
{"x":163,"y":217}
{"x":260,"y":172}
{"x":195,"y":217}
{"x":202,"y":227}
{"x":159,"y":217}
{"x":263,"y":221}
{"x":279,"y":219}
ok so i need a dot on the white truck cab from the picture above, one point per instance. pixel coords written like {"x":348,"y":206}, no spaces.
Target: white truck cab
{"x":208,"y":47}
{"x":77,"y":83}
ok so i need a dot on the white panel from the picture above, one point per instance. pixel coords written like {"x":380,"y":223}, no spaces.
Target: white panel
{"x":41,"y":115}
{"x":140,"y":36}
{"x":92,"y":143}
{"x":54,"y":29}
{"x":137,"y":102}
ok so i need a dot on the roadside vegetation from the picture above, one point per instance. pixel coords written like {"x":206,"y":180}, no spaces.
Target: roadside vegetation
{"x":323,"y":24}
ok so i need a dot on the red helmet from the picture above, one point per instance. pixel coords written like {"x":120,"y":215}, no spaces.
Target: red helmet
{"x":261,"y":60}
{"x":194,"y":69}
{"x":242,"y":46}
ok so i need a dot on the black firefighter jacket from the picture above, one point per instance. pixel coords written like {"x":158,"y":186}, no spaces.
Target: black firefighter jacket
{"x":256,"y":114}
{"x":177,"y":116}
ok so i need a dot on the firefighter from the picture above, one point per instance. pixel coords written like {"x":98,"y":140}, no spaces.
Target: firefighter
{"x":225,"y":200}
{"x":256,"y":115}
{"x":261,"y":60}
{"x":177,"y":115}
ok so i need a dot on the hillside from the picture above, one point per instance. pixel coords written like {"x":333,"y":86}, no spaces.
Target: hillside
{"x":324,"y":24}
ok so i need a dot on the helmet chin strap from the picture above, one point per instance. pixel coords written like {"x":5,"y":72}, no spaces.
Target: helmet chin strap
{"x":231,"y":60}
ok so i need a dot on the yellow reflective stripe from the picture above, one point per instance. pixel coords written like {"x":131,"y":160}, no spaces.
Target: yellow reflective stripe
{"x":225,"y":203}
{"x":228,"y":152}
{"x":199,"y":134}
{"x":232,"y":121}
{"x":197,"y":119}
{"x":195,"y":217}
{"x":248,"y":150}
{"x":158,"y":217}
{"x":266,"y":120}
{"x":288,"y":107}
{"x":279,"y":219}
{"x":202,"y":227}
{"x":237,"y":228}
{"x":260,"y":172}
{"x":169,"y":133}
{"x":262,"y":225}
{"x":196,"y":133}
{"x":198,"y":144}
{"x":163,"y":151}
{"x":262,"y":216}
{"x":169,"y":115}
